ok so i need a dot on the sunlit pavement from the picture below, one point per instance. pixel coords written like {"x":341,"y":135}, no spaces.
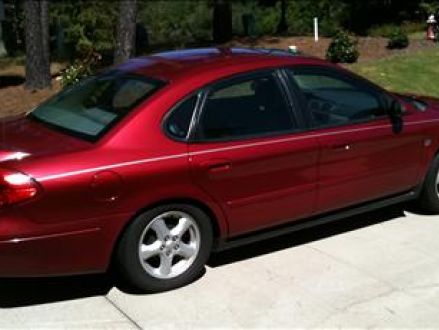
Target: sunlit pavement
{"x":378,"y":270}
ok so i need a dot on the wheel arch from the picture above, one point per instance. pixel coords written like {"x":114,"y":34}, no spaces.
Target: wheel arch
{"x":429,"y":157}
{"x":218,"y":231}
{"x":219,"y":226}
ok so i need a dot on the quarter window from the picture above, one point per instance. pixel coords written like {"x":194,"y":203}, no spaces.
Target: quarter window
{"x":336,"y":100}
{"x":246,"y":107}
{"x":180,"y":118}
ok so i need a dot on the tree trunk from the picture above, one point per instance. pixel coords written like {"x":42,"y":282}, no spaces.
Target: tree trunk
{"x":126,"y":31}
{"x":37,"y":67}
{"x":45,"y":36}
{"x":222,"y":21}
{"x":283,"y":26}
{"x":3,"y":52}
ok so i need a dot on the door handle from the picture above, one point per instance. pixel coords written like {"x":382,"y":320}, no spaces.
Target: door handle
{"x":341,"y":146}
{"x":215,"y":166}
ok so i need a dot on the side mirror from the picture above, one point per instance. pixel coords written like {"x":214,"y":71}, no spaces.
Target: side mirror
{"x":395,"y":110}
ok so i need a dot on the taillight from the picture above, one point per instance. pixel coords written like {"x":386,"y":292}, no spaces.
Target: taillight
{"x":16,"y":187}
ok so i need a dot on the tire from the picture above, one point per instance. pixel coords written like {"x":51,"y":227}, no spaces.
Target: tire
{"x":165,"y":248}
{"x":429,"y":198}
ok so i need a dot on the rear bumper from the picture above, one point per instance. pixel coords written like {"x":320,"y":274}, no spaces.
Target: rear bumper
{"x":83,"y":247}
{"x":46,"y":255}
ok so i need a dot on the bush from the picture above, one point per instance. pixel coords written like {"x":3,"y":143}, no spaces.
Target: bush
{"x":13,"y":27}
{"x":384,"y":30}
{"x":387,"y":30}
{"x":331,"y":14}
{"x":88,"y":25}
{"x":72,"y":75}
{"x":79,"y":70}
{"x":266,"y":17}
{"x":398,"y":40}
{"x":342,"y":49}
{"x":176,"y":23}
{"x":413,"y":27}
{"x":429,"y":7}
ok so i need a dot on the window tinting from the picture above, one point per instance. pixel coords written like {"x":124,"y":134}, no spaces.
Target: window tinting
{"x":248,"y":107}
{"x":89,"y":108}
{"x":180,"y":118}
{"x":335,"y":100}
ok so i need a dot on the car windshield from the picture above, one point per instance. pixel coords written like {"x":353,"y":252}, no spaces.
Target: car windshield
{"x":89,"y":109}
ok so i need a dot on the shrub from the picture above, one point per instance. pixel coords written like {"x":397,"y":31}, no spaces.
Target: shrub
{"x":266,"y":18}
{"x":176,"y":23}
{"x":88,"y":25}
{"x":79,"y":69}
{"x":387,"y":30}
{"x":72,"y":75}
{"x":331,"y":14}
{"x":342,"y":49}
{"x":398,"y":40}
{"x":429,"y":7}
{"x":413,"y":27}
{"x":13,"y":28}
{"x":384,"y":30}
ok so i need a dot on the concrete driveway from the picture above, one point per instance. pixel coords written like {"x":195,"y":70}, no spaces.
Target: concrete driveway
{"x":377,"y":270}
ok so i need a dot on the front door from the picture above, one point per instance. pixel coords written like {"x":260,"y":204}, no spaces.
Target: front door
{"x":362,"y":156}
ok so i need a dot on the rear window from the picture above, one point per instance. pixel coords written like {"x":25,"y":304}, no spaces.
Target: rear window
{"x":90,"y":108}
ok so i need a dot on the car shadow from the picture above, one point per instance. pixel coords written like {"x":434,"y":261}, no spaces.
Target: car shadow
{"x":32,"y":291}
{"x":306,"y":236}
{"x":19,"y":292}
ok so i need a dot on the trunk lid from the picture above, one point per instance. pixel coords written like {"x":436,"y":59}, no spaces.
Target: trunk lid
{"x":22,"y":137}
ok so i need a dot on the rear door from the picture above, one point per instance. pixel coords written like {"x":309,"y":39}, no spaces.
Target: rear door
{"x":249,"y":154}
{"x":363,"y":155}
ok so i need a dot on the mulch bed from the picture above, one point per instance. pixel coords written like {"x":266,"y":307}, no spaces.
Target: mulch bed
{"x":15,"y":99}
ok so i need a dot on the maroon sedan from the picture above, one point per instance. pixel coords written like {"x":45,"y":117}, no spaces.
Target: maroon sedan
{"x":157,"y":162}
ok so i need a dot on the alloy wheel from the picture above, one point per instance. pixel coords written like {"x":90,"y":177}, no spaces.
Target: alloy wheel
{"x":169,"y":244}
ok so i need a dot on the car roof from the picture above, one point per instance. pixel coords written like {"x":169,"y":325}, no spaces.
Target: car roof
{"x":171,"y":65}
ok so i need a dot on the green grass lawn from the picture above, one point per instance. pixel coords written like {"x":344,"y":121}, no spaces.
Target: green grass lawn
{"x":416,"y":73}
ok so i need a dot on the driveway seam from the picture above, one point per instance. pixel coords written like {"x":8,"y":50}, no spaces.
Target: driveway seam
{"x":121,"y":311}
{"x":346,"y":308}
{"x":361,"y":270}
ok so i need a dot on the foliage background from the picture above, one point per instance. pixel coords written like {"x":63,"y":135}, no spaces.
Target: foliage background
{"x":178,"y":23}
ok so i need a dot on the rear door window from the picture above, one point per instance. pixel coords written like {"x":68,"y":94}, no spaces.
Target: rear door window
{"x":246,"y":107}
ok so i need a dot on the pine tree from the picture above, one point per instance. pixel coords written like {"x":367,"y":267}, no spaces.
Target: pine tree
{"x":222,"y":20}
{"x":37,"y":44}
{"x":126,"y":31}
{"x":283,"y":25}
